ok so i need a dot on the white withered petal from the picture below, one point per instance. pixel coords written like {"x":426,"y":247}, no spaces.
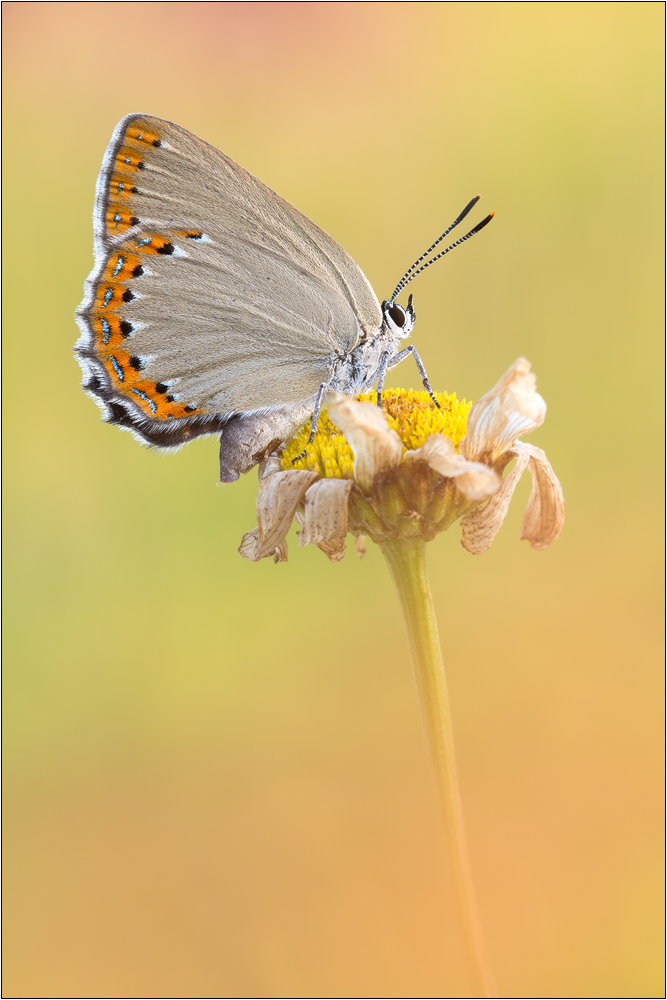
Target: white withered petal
{"x":280,"y":493}
{"x":545,"y":513}
{"x":324,"y":519}
{"x":376,"y":447}
{"x":512,"y":408}
{"x":475,"y":480}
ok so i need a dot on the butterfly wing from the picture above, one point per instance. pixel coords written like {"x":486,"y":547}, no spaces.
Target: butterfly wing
{"x":211,"y":295}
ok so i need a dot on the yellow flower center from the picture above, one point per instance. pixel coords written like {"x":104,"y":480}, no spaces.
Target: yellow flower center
{"x":413,"y":415}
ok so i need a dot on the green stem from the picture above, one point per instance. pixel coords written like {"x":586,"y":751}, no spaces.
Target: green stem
{"x":406,"y":561}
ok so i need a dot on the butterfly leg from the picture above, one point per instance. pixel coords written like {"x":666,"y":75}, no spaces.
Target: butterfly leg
{"x":313,"y":426}
{"x":381,"y":375}
{"x":396,"y":360}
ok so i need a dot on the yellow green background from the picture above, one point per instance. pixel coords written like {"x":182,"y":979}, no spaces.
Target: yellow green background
{"x":216,"y":783}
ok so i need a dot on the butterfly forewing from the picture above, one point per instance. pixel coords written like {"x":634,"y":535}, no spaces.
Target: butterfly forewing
{"x":211,"y":295}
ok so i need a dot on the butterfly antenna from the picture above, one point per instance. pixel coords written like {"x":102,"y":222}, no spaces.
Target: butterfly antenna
{"x":460,"y":218}
{"x":407,"y":277}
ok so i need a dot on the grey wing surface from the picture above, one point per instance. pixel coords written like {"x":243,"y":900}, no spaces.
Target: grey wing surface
{"x":211,"y":295}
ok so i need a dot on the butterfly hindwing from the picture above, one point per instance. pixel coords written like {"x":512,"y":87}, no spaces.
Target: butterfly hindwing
{"x":210,"y":295}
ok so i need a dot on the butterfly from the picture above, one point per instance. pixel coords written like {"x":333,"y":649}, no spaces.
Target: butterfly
{"x":215,"y":306}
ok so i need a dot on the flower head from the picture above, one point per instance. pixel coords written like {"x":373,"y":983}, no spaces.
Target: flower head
{"x":409,"y":471}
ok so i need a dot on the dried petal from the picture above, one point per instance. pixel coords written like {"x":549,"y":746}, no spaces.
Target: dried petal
{"x":279,"y":495}
{"x":268,"y":466}
{"x":510,"y":409}
{"x":376,"y":447}
{"x":545,"y":513}
{"x":334,"y":550}
{"x":474,"y":480}
{"x":481,"y":525}
{"x":250,"y":547}
{"x":325,"y":516}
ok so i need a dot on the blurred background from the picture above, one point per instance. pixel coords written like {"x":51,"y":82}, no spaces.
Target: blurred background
{"x":216,"y":782}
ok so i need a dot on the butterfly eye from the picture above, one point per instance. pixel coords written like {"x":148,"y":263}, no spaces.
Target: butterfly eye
{"x":397,"y":315}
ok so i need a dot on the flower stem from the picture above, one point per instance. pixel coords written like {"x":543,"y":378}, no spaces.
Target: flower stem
{"x":406,"y":561}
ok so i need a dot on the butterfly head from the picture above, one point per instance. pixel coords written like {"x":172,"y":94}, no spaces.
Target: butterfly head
{"x":398,"y":320}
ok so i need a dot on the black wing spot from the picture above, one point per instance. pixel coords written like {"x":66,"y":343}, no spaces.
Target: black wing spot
{"x":126,"y":328}
{"x":189,"y":408}
{"x":161,"y":387}
{"x":136,"y":363}
{"x":134,"y":190}
{"x":170,"y":399}
{"x":140,"y":165}
{"x":128,"y":295}
{"x":138,"y":271}
{"x":166,"y":248}
{"x":117,"y":412}
{"x":156,"y":142}
{"x":134,"y":221}
{"x":94,"y":384}
{"x":195,"y":236}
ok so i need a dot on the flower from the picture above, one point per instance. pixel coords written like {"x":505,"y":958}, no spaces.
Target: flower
{"x":400,"y":475}
{"x":409,"y":471}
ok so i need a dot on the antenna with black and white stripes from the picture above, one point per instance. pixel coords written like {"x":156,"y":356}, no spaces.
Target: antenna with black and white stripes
{"x":411,"y":273}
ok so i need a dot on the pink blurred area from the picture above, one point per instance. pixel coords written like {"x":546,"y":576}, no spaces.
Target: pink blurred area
{"x":216,"y":780}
